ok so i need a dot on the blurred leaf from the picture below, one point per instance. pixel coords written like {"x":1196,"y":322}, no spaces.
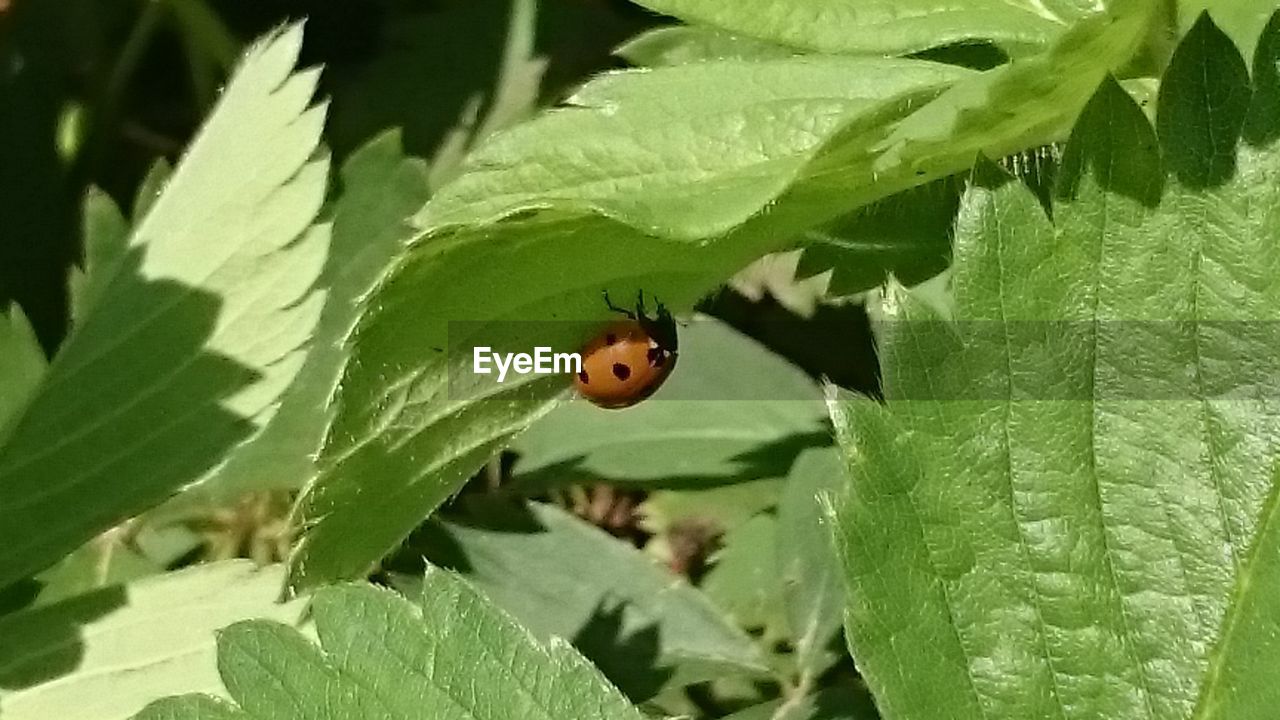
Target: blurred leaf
{"x":688,"y":150}
{"x":907,"y":235}
{"x":560,"y":576}
{"x":680,"y":44}
{"x":196,"y":331}
{"x":884,"y":27}
{"x":724,"y":506}
{"x":836,"y":703}
{"x":812,"y":585}
{"x":106,"y":654}
{"x":1088,"y":528}
{"x":380,"y":190}
{"x":22,"y":364}
{"x":745,"y":582}
{"x":731,"y":410}
{"x":378,"y":650}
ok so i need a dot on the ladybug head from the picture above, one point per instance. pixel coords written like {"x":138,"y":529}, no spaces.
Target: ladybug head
{"x":661,"y":327}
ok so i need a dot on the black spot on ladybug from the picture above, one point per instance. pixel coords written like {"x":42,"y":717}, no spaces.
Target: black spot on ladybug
{"x":610,"y":339}
{"x":621,"y":371}
{"x":582,"y":375}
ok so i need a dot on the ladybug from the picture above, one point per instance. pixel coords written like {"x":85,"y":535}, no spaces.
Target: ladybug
{"x":629,"y":360}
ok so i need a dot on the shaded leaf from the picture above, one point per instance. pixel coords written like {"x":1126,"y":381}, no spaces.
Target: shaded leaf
{"x":106,"y":654}
{"x":22,"y":364}
{"x":380,"y":190}
{"x":560,"y":576}
{"x":1241,"y":20}
{"x":907,"y":235}
{"x":453,"y":655}
{"x":195,"y":332}
{"x":744,"y":579}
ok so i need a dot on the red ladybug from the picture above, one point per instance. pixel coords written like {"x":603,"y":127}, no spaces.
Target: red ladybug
{"x":629,"y":360}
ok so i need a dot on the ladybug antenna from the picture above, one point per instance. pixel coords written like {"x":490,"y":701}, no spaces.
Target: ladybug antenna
{"x":609,"y":303}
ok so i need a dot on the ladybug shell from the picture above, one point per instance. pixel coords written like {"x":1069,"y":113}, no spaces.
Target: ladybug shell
{"x":623,"y":365}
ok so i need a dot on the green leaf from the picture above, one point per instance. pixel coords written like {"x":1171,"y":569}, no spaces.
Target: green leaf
{"x":454,"y":656}
{"x":106,"y":241}
{"x":381,"y":189}
{"x":680,"y":44}
{"x":22,"y":364}
{"x":115,"y":557}
{"x":812,"y":585}
{"x":560,"y":576}
{"x":883,"y":27}
{"x":106,"y":654}
{"x":195,"y":332}
{"x":732,"y":411}
{"x":688,"y":150}
{"x":1066,"y":508}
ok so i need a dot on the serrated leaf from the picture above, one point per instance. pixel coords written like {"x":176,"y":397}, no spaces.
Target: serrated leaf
{"x":1066,"y":508}
{"x":812,"y":585}
{"x":106,"y":241}
{"x":906,"y":236}
{"x":1242,"y":20}
{"x":687,"y":150}
{"x":452,"y":656}
{"x":195,"y":334}
{"x":22,"y":364}
{"x":883,"y":27}
{"x":648,"y":148}
{"x":106,"y":654}
{"x":680,"y":44}
{"x":381,"y":189}
{"x":559,"y":576}
{"x":733,"y":412}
